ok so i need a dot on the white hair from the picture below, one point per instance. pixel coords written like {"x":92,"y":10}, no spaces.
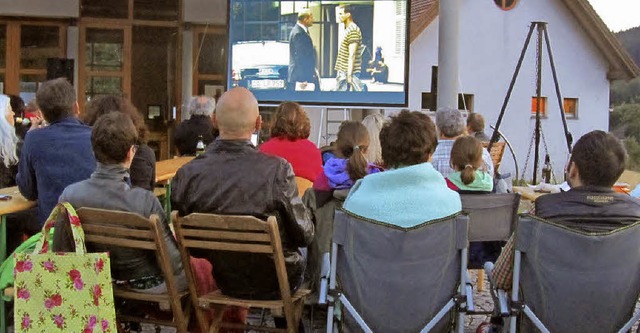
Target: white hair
{"x":8,"y":137}
{"x":374,"y":123}
{"x":202,"y":106}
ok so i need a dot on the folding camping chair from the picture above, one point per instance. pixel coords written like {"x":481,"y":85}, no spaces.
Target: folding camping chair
{"x":566,"y":280}
{"x":395,"y":279}
{"x":492,"y":217}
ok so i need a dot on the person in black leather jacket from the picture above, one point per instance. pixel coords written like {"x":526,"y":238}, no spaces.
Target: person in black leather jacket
{"x":113,"y":138}
{"x":233,"y":177}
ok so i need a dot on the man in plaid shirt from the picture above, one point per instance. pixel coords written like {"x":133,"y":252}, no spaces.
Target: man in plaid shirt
{"x":451,"y":125}
{"x":596,"y":163}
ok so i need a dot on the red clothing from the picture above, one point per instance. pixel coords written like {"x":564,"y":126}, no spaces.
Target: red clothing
{"x":302,"y":154}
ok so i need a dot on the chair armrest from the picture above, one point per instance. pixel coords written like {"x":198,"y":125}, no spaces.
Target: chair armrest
{"x":503,"y":302}
{"x":325,"y":270}
{"x":501,"y":295}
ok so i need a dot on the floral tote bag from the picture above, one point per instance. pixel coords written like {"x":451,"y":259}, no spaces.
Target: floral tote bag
{"x":63,"y":292}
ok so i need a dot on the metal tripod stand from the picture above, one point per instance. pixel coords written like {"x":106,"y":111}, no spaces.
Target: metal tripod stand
{"x":541,"y":28}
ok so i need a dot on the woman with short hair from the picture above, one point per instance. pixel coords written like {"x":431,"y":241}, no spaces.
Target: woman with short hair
{"x":289,"y":134}
{"x":411,"y":191}
{"x":143,"y":167}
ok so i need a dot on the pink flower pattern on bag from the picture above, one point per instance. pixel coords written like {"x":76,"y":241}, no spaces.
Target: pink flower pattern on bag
{"x":26,"y":322}
{"x":59,"y":321}
{"x":97,"y":293}
{"x":99,"y":265}
{"x":49,"y":266}
{"x":23,"y":266}
{"x":23,"y":293}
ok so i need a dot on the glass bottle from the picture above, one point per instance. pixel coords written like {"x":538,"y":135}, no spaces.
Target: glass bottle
{"x":200,"y":146}
{"x":546,"y":169}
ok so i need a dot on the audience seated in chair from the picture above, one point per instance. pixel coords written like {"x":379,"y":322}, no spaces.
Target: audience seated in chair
{"x":475,"y":127}
{"x":374,"y":123}
{"x":350,"y":163}
{"x":466,"y":159}
{"x":143,"y":166}
{"x":57,"y":155}
{"x":22,"y":222}
{"x":597,"y":161}
{"x":113,"y":138}
{"x":411,"y":191}
{"x":451,"y":126}
{"x":199,"y":124}
{"x":233,"y":177}
{"x":289,"y":134}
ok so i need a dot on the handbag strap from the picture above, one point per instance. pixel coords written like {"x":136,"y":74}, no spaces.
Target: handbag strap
{"x":76,"y":228}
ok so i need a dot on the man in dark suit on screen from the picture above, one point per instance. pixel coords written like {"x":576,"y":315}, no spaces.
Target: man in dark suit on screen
{"x":302,"y":56}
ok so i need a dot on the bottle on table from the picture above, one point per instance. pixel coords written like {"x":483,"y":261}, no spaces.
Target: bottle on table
{"x":546,"y":169}
{"x":200,"y":146}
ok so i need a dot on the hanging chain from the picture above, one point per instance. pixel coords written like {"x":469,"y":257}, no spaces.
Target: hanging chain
{"x":526,"y":162}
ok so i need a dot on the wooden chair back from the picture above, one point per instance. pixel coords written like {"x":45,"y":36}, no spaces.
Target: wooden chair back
{"x":235,"y":233}
{"x":303,"y":185}
{"x":497,"y":151}
{"x":111,"y":228}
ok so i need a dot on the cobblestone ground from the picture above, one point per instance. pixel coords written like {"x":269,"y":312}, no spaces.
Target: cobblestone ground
{"x":481,"y":299}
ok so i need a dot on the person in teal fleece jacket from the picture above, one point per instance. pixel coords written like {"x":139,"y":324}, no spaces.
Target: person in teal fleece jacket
{"x":469,"y":175}
{"x":411,"y":191}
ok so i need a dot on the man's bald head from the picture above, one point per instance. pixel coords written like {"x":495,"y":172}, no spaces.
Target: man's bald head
{"x":237,"y":114}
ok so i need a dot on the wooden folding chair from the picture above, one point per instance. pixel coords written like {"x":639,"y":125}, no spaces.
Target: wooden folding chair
{"x":237,"y":234}
{"x":130,"y":230}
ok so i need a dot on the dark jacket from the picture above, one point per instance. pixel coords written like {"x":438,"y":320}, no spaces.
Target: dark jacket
{"x":302,"y":57}
{"x":589,"y":208}
{"x":188,"y":131}
{"x":52,"y":158}
{"x":143,"y":168}
{"x":107,"y":189}
{"x":8,"y":175}
{"x":232,"y":177}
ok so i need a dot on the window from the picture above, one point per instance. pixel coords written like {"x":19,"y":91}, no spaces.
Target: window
{"x":430,"y":101}
{"x":210,"y":71}
{"x":543,"y":106}
{"x":104,"y":63}
{"x":506,"y":4}
{"x":571,"y":107}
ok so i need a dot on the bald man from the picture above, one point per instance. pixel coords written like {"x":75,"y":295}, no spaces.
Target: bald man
{"x":233,"y":177}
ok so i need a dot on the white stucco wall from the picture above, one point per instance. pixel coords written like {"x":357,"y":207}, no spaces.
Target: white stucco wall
{"x":490,"y":44}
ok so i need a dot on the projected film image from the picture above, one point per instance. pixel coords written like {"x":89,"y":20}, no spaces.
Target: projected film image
{"x":320,"y":52}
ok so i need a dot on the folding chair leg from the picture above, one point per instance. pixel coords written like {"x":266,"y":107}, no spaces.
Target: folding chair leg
{"x":217,"y":318}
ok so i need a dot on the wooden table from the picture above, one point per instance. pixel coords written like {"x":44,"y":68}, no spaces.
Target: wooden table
{"x":165,"y":170}
{"x":528,"y":193}
{"x":17,"y":203}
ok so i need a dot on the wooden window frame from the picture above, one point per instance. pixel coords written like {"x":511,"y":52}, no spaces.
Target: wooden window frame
{"x":13,"y":70}
{"x":576,"y":105}
{"x":543,"y":107}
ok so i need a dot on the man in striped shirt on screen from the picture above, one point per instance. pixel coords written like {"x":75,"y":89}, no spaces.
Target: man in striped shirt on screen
{"x":350,"y":49}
